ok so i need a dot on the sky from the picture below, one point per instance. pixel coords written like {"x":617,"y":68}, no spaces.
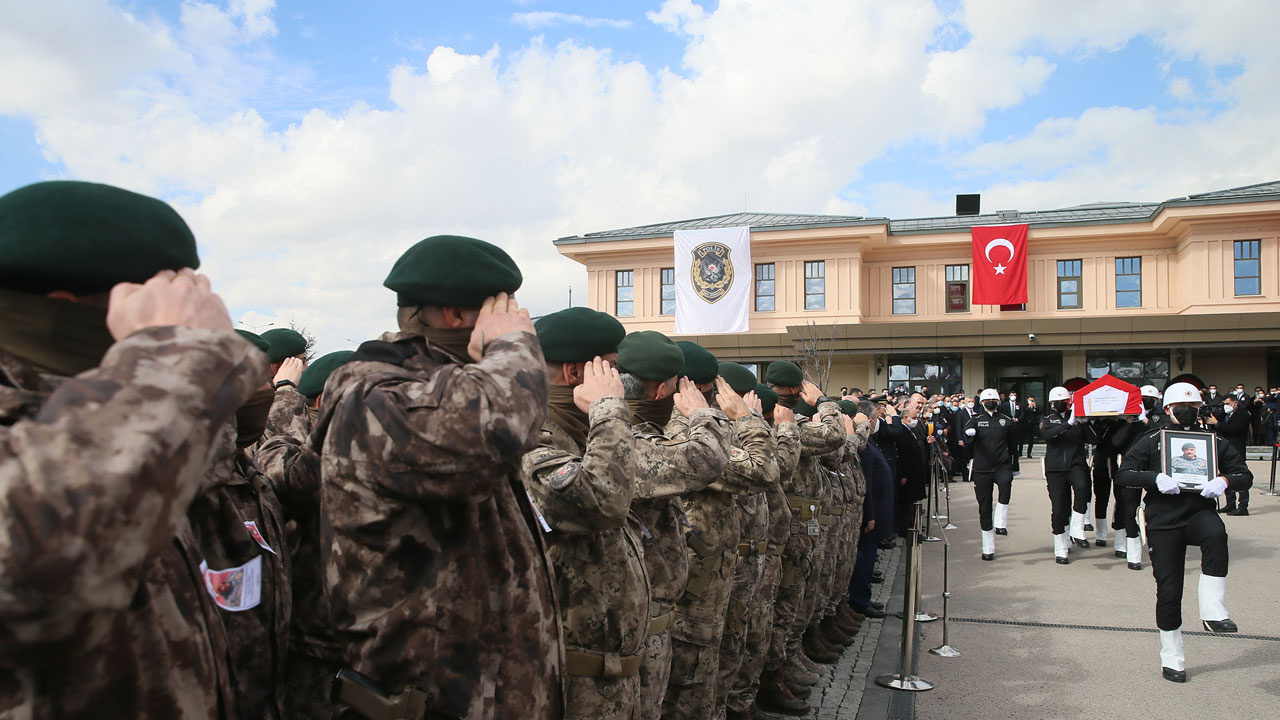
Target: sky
{"x":309,"y":143}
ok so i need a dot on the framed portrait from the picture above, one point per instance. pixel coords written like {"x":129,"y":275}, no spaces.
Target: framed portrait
{"x":1190,"y":458}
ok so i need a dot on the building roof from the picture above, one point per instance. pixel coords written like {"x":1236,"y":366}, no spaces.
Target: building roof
{"x":1100,"y":213}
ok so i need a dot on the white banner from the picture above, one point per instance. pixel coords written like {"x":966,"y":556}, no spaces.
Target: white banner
{"x":713,"y":280}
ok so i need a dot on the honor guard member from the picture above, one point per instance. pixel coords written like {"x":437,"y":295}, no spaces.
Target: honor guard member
{"x":439,"y":586}
{"x":713,"y":537}
{"x":666,"y":468}
{"x":1122,"y":435}
{"x":282,"y":344}
{"x":987,"y":437}
{"x":1177,"y":518}
{"x":292,"y":467}
{"x":112,"y":397}
{"x":1066,"y":470}
{"x":580,"y":479}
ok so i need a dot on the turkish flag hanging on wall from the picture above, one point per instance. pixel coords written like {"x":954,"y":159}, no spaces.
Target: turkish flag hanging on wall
{"x":999,"y":265}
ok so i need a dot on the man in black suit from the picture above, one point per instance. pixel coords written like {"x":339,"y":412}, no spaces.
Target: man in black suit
{"x":1232,"y":425}
{"x":1014,"y":409}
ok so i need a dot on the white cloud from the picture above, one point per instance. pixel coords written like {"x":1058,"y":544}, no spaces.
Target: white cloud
{"x":775,"y":107}
{"x":1180,"y":87}
{"x":547,"y":18}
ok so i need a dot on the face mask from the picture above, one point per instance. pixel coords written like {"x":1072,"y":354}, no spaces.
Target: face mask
{"x":1184,"y":414}
{"x":875,"y":426}
{"x":1013,"y":398}
{"x":990,"y":404}
{"x":968,"y":406}
{"x":1149,"y":403}
{"x":911,"y":423}
{"x":1228,"y":409}
{"x":928,"y":414}
{"x":1060,"y":406}
{"x":788,"y":401}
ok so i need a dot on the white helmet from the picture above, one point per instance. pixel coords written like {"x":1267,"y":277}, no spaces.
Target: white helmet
{"x":1150,"y":391}
{"x":989,"y":394}
{"x":1059,"y":393}
{"x":1181,"y":392}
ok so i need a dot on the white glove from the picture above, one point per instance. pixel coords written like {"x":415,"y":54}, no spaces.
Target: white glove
{"x":1071,"y":419}
{"x":1167,"y":485}
{"x":1214,"y":488}
{"x":971,"y":432}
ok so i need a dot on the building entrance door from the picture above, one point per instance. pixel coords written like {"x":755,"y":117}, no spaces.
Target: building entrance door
{"x":1031,"y":374}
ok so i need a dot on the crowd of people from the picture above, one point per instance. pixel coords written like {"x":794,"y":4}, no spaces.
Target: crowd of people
{"x":473,"y":516}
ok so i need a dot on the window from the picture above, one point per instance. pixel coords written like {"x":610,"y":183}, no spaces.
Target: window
{"x":668,"y":291}
{"x":626,"y":293}
{"x":1129,"y":282}
{"x":815,"y":285}
{"x":904,"y":291}
{"x":940,"y":373}
{"x":1248,"y":267}
{"x":1137,"y":367}
{"x":1069,"y":284}
{"x":957,"y":288}
{"x":765,"y":288}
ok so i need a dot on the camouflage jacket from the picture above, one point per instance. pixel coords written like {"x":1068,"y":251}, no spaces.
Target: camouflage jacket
{"x":436,"y":575}
{"x":856,"y":487}
{"x":102,"y":604}
{"x":818,"y":437}
{"x":786,"y":438}
{"x":713,"y":512}
{"x":667,"y":469}
{"x":288,"y":416}
{"x":584,"y":494}
{"x":292,"y":467}
{"x":239,"y":524}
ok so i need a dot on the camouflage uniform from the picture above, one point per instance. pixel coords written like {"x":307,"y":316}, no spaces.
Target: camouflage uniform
{"x":817,"y":437}
{"x":713,"y":553}
{"x":292,"y":466}
{"x":258,"y":636}
{"x":746,"y":682}
{"x":666,"y":469}
{"x":584,"y":494}
{"x":436,"y":576}
{"x":101,"y":598}
{"x":855,"y":491}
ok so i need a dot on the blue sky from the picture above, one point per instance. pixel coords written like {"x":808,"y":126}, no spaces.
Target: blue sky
{"x":308,"y":143}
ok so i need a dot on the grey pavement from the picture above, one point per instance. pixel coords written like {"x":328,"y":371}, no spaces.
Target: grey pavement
{"x":1108,"y":666}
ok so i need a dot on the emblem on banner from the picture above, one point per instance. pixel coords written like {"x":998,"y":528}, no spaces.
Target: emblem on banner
{"x":712,"y":271}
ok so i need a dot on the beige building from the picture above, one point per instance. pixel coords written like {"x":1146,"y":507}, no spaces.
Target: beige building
{"x":1146,"y":291}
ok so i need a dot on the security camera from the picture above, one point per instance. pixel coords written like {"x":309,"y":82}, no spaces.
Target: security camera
{"x":1031,"y":337}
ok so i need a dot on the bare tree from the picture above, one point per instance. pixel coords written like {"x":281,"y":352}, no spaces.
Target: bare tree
{"x":306,"y":335}
{"x":815,"y":350}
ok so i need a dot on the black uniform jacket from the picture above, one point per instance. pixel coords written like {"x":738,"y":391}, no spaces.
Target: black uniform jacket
{"x":1235,"y":428}
{"x":1064,"y":443}
{"x":990,"y":446}
{"x":1142,"y":464}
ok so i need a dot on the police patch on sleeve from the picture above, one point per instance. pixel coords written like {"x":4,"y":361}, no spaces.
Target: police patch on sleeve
{"x":1002,"y":422}
{"x":561,"y":478}
{"x":738,"y":455}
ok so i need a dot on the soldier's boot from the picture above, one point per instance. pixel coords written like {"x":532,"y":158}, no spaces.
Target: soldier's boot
{"x":853,"y":613}
{"x":776,"y":697}
{"x":817,"y":650}
{"x":833,"y":634}
{"x":795,"y":675}
{"x":812,"y":667}
{"x":847,"y":622}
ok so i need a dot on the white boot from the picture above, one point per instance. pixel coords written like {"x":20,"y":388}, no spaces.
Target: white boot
{"x":1172,"y":655}
{"x":1213,"y":597}
{"x":1077,"y":526}
{"x":1119,"y":543}
{"x":1101,"y":525}
{"x":1134,"y":553}
{"x":988,"y":542}
{"x":1060,"y":546}
{"x":1001,"y":520}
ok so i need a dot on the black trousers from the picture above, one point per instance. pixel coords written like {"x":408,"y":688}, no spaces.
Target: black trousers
{"x":1127,"y":501}
{"x":1064,"y":485}
{"x":1244,"y":498}
{"x":984,"y":481}
{"x":1104,"y":469}
{"x":1168,"y":560}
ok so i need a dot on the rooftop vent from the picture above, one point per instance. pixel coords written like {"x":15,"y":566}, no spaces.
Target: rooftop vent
{"x":1008,"y":214}
{"x":968,"y":204}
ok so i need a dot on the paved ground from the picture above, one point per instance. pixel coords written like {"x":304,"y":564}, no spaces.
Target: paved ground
{"x":1032,"y":671}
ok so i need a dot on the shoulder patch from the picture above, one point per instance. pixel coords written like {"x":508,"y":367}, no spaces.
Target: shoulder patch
{"x":738,"y":455}
{"x":561,"y":478}
{"x":1003,"y":422}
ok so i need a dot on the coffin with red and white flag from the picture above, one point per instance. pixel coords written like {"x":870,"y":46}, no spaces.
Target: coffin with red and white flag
{"x":1108,"y":396}
{"x":999,"y":264}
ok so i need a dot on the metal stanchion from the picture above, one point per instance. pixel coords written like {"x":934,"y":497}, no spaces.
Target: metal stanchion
{"x":1275,"y":454}
{"x":904,"y":679}
{"x":931,"y":497}
{"x":946,"y":489}
{"x":945,"y":649}
{"x":921,"y":614}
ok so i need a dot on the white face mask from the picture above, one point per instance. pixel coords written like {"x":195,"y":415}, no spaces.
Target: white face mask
{"x":1013,"y":398}
{"x":968,"y":406}
{"x":875,"y":426}
{"x":1228,"y":408}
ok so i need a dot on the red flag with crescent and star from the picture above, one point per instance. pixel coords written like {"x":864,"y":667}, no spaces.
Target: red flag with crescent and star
{"x":999,"y":264}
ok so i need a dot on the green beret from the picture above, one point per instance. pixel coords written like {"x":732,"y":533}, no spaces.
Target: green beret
{"x":85,"y":237}
{"x":805,"y":409}
{"x":312,"y":382}
{"x":848,"y":407}
{"x":452,"y":271}
{"x":578,"y":334}
{"x":256,"y":340}
{"x":739,"y":378}
{"x":784,"y":373}
{"x":768,"y":398}
{"x":700,"y":366}
{"x":650,"y":355}
{"x":284,"y":343}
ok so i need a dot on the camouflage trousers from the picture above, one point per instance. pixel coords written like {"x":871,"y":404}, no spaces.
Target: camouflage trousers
{"x":655,"y":672}
{"x":743,"y":601}
{"x":696,"y":632}
{"x":852,"y":531}
{"x":601,"y":698}
{"x":745,"y":685}
{"x":830,"y":563}
{"x":306,"y":686}
{"x":812,"y":589}
{"x":796,"y":559}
